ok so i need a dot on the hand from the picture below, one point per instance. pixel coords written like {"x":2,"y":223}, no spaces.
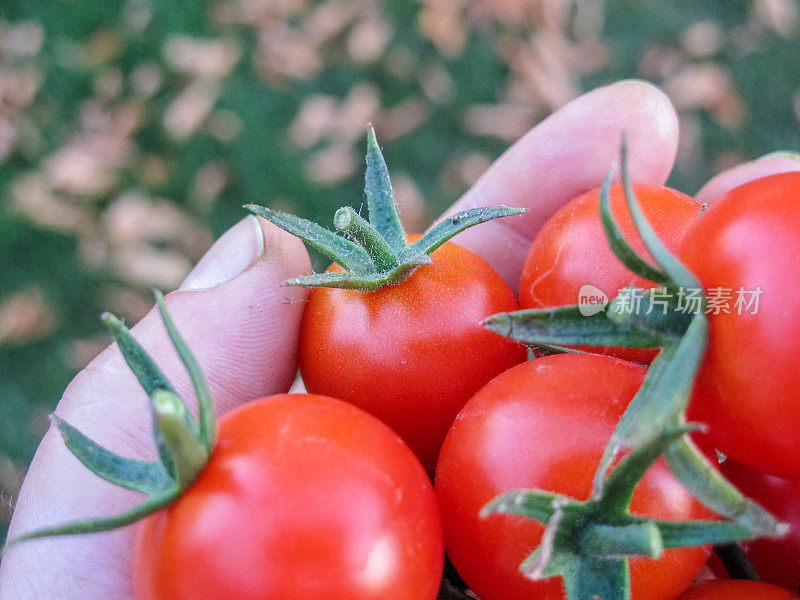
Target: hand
{"x":242,"y":325}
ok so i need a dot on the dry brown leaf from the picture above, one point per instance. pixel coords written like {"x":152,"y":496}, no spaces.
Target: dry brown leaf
{"x":505,"y":121}
{"x":368,"y":39}
{"x":214,"y":59}
{"x":25,"y":317}
{"x":187,"y":112}
{"x":314,"y":120}
{"x":779,"y":15}
{"x":332,"y":164}
{"x":403,"y":118}
{"x":710,"y":87}
{"x":410,"y":203}
{"x":703,"y":39}
{"x":33,"y":197}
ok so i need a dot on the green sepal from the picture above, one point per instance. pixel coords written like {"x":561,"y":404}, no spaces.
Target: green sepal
{"x":662,"y":397}
{"x":205,"y":405}
{"x":622,"y":250}
{"x":347,"y":253}
{"x":183,"y":447}
{"x":150,"y":506}
{"x":618,"y":486}
{"x":455,"y":224}
{"x":347,"y":281}
{"x":539,"y":505}
{"x":567,"y":326}
{"x":383,"y":213}
{"x":693,"y":469}
{"x":678,"y":274}
{"x":641,"y":538}
{"x":147,"y":372}
{"x":680,"y":534}
{"x":646,"y":309}
{"x":148,"y":477}
{"x":374,"y":253}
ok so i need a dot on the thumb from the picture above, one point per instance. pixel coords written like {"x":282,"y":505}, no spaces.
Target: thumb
{"x":240,"y":322}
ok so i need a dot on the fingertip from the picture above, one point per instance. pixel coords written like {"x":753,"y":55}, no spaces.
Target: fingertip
{"x":564,"y":156}
{"x":770,"y":164}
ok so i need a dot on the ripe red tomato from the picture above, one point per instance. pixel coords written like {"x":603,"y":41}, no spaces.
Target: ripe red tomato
{"x":746,"y":390}
{"x":411,"y":354}
{"x":776,"y":561}
{"x":304,"y":497}
{"x":736,"y":590}
{"x":543,"y":424}
{"x":571,"y":250}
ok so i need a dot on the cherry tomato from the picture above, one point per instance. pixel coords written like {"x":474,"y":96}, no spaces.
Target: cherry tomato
{"x":571,"y":251}
{"x":745,"y":250}
{"x":411,"y":354}
{"x":543,"y":424}
{"x":305,"y":497}
{"x":776,"y":561}
{"x":736,"y":590}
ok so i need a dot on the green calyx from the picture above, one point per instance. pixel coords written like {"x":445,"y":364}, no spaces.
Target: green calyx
{"x":374,"y":253}
{"x":184,"y":444}
{"x":588,"y":543}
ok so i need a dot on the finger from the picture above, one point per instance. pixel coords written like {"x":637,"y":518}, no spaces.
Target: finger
{"x":564,"y":156}
{"x":777,"y":162}
{"x":240,"y":322}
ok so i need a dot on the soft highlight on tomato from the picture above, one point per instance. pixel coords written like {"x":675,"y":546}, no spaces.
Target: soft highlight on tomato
{"x":571,"y":250}
{"x":411,"y":354}
{"x":746,"y":390}
{"x":304,"y":497}
{"x":544,"y":424}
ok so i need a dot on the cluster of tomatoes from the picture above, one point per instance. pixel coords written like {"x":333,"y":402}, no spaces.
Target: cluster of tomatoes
{"x":340,"y":508}
{"x":328,"y":495}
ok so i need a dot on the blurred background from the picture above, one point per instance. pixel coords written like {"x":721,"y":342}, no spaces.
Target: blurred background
{"x":132,"y":131}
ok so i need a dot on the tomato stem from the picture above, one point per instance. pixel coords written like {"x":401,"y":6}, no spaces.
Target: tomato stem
{"x":189,"y":453}
{"x":184,"y":446}
{"x":735,"y":561}
{"x":362,"y":231}
{"x":378,"y":253}
{"x":636,"y":539}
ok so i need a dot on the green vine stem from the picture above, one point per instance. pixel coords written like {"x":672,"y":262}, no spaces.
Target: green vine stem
{"x":652,"y":425}
{"x":735,"y":561}
{"x":184,"y":445}
{"x":374,"y":253}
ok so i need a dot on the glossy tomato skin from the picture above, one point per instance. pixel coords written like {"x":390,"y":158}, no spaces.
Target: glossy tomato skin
{"x":736,"y":590}
{"x":411,"y":354}
{"x":777,"y":561}
{"x":571,"y":250}
{"x":544,"y":424}
{"x":305,"y":497}
{"x":746,"y":391}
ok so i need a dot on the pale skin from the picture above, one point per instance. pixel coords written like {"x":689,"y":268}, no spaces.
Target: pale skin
{"x":242,"y":325}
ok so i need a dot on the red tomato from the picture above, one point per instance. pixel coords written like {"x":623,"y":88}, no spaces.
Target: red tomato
{"x":776,"y":561}
{"x":411,"y":354}
{"x":571,"y":250}
{"x":736,"y":590}
{"x":746,"y":391}
{"x":304,"y":497}
{"x":544,"y":424}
